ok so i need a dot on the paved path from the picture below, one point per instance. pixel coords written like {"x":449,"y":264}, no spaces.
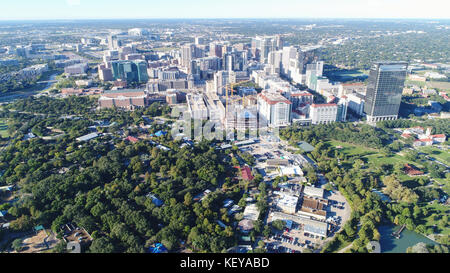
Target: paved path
{"x":345,"y":248}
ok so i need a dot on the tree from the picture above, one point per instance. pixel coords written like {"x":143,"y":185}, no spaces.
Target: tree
{"x":278,"y":224}
{"x":102,"y":245}
{"x":22,"y":223}
{"x":17,"y":245}
{"x":188,"y":199}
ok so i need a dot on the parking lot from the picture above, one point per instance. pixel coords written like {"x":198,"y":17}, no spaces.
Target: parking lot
{"x":293,"y":240}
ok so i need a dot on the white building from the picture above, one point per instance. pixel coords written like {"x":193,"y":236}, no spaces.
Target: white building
{"x":356,"y":103}
{"x":323,"y":113}
{"x":310,"y":226}
{"x":288,"y":203}
{"x":274,"y":61}
{"x":76,"y":69}
{"x":290,"y":171}
{"x":313,"y":191}
{"x":274,"y":109}
{"x":221,"y":80}
{"x":251,"y":212}
{"x":197,"y":107}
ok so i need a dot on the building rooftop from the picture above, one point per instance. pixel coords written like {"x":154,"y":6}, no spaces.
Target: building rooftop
{"x":251,"y":212}
{"x":247,"y":173}
{"x":273,"y":98}
{"x":324,"y":105}
{"x":305,"y":146}
{"x":313,"y":191}
{"x":88,"y":137}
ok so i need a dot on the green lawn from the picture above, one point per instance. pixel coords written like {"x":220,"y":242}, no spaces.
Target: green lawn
{"x":379,"y":159}
{"x":3,"y":128}
{"x":373,"y":156}
{"x":440,"y":210}
{"x":163,"y":49}
{"x":352,"y":149}
{"x":440,"y":155}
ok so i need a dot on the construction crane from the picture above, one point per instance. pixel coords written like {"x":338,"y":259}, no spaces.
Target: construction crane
{"x":231,"y":86}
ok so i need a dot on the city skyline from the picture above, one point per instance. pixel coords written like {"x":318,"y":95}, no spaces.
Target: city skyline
{"x":198,"y":9}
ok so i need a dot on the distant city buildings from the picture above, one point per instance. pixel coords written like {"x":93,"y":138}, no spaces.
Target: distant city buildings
{"x":76,"y":69}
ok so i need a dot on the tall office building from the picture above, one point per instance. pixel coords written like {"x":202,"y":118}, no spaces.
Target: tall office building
{"x":113,"y":42}
{"x":274,"y":109}
{"x":384,"y":90}
{"x":264,"y":45}
{"x":215,"y":50}
{"x":274,"y":59}
{"x":295,"y":60}
{"x":187,"y":54}
{"x":199,"y":41}
{"x":236,"y":61}
{"x":289,"y":53}
{"x":130,"y":71}
{"x":221,"y":80}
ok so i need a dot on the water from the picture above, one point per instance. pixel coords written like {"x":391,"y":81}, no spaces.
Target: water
{"x":25,"y":94}
{"x":408,"y":238}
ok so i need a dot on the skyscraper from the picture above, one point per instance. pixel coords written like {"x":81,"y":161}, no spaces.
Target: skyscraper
{"x":384,"y":90}
{"x":131,"y":71}
{"x":113,"y":42}
{"x":187,"y":52}
{"x":264,"y":45}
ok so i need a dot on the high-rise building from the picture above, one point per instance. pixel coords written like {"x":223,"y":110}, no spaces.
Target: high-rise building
{"x":274,"y":109}
{"x":384,"y":90}
{"x":274,"y":59}
{"x":221,"y":80}
{"x":199,"y":40}
{"x":113,"y":42}
{"x":264,"y":45}
{"x":130,"y":71}
{"x":105,"y":73}
{"x":215,"y":50}
{"x":295,"y":61}
{"x":236,"y":61}
{"x":289,"y":53}
{"x":190,"y":52}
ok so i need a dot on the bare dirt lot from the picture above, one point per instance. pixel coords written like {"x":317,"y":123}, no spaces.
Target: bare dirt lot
{"x":39,"y":242}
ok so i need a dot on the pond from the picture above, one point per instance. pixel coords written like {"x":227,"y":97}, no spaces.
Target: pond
{"x":408,"y":238}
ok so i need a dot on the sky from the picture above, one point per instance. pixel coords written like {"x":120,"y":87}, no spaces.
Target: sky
{"x":140,"y":9}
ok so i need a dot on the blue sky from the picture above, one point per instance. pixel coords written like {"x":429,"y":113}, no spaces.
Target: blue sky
{"x":100,"y":9}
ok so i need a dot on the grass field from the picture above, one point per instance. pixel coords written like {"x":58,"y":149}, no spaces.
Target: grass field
{"x":163,"y":49}
{"x":440,"y":155}
{"x":442,"y":86}
{"x":352,"y":149}
{"x":440,"y":210}
{"x":372,"y":156}
{"x":3,"y":128}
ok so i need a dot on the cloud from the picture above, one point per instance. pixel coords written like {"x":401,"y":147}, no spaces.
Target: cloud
{"x":73,"y":2}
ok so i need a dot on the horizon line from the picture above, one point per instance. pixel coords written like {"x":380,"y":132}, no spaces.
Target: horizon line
{"x":226,"y":18}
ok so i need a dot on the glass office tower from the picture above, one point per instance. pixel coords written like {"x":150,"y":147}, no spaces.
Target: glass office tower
{"x":384,"y":91}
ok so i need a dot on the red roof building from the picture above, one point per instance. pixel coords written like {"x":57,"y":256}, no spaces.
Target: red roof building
{"x":132,"y":139}
{"x":411,"y":171}
{"x":247,"y":173}
{"x":406,"y":135}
